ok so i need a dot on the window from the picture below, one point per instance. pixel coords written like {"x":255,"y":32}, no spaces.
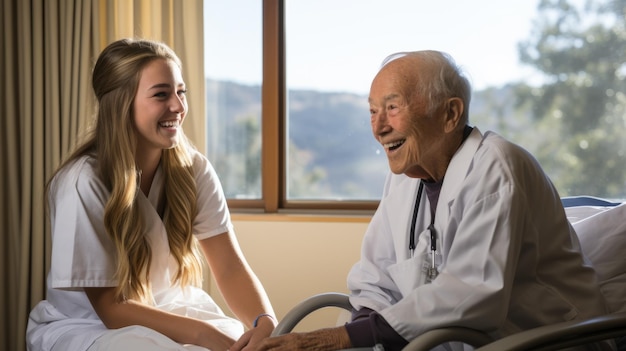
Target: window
{"x":288,"y":121}
{"x":233,"y":66}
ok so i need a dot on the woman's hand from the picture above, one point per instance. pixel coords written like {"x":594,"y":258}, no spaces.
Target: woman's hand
{"x":251,"y":338}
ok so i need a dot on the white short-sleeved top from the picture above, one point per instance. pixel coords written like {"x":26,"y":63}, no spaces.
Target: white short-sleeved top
{"x":83,"y":255}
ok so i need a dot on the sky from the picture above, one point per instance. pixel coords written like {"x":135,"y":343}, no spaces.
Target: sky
{"x":338,"y":45}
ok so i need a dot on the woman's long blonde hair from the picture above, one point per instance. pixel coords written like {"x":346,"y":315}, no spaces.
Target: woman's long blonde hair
{"x":112,"y":142}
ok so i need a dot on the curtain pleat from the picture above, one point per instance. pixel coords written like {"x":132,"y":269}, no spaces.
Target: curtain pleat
{"x":10,"y":180}
{"x":188,"y":41}
{"x":48,"y":50}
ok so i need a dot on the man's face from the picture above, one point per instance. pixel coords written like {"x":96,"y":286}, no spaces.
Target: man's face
{"x":401,"y":121}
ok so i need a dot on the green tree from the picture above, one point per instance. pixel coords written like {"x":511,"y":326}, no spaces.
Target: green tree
{"x":581,"y":53}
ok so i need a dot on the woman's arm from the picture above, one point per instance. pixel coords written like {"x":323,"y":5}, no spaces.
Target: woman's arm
{"x":181,"y":329}
{"x":240,"y":287}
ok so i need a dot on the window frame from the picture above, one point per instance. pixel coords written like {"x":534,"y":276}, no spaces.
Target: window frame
{"x":273,"y":132}
{"x":274,"y":123}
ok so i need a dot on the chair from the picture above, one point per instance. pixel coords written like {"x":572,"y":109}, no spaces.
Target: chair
{"x":565,"y":334}
{"x":304,"y":308}
{"x":334,"y":299}
{"x":551,"y":337}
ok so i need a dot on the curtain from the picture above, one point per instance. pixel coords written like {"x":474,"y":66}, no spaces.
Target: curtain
{"x":48,"y":49}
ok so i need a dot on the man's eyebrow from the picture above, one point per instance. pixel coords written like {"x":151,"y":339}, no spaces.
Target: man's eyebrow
{"x":387,"y":97}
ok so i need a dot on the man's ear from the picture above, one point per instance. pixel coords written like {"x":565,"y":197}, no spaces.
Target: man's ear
{"x":454,"y":111}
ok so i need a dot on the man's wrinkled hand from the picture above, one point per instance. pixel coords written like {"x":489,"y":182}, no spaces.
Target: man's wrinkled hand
{"x":319,"y":340}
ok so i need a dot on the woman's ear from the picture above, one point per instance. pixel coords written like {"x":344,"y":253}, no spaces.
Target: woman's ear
{"x":454,"y":111}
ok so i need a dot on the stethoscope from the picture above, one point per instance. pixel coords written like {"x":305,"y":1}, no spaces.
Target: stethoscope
{"x":432,"y":272}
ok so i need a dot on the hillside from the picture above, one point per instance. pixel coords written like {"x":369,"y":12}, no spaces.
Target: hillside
{"x":332,"y":150}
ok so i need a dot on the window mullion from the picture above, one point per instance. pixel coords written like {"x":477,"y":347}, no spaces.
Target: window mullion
{"x":273,"y":105}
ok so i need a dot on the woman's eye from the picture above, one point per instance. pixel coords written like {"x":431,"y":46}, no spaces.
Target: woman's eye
{"x":182,"y":92}
{"x":160,"y":94}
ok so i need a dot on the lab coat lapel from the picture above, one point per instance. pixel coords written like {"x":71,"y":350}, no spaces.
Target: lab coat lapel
{"x":457,"y":171}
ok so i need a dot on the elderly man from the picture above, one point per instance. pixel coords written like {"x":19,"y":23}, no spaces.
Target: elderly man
{"x":469,"y":232}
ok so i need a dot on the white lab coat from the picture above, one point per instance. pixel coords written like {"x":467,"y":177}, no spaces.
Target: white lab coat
{"x":508,"y":260}
{"x":84,"y":256}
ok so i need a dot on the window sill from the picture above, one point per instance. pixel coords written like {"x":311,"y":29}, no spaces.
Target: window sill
{"x":292,"y":216}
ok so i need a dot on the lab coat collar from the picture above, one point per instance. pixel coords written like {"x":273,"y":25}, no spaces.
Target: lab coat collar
{"x":456,"y":172}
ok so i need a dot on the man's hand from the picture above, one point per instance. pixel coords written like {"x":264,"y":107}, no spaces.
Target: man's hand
{"x":319,"y":340}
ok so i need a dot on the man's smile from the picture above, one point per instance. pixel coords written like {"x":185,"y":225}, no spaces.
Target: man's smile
{"x":394,"y":145}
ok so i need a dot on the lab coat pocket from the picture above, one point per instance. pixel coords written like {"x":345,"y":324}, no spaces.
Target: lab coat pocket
{"x":414,"y":271}
{"x":408,"y":274}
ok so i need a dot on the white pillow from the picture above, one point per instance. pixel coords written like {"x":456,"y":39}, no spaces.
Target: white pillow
{"x":602,"y":234}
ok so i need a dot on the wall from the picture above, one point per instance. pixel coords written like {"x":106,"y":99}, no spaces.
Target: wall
{"x":296,"y":257}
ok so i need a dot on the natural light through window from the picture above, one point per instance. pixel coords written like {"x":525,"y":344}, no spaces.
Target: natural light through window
{"x":233,"y":67}
{"x":556,"y":90}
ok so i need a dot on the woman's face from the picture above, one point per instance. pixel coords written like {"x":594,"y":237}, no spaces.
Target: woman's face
{"x":160,"y":106}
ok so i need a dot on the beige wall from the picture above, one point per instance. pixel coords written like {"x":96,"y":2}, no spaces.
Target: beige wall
{"x":297,"y":257}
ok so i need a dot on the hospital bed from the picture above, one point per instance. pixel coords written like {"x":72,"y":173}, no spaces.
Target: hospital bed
{"x":601,"y":228}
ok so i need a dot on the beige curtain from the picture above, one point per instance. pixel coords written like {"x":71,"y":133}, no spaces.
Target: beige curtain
{"x":48,"y":48}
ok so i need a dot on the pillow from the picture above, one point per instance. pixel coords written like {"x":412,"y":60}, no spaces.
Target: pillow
{"x":602,"y":234}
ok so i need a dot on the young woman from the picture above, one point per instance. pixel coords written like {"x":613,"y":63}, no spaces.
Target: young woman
{"x":130,"y":210}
